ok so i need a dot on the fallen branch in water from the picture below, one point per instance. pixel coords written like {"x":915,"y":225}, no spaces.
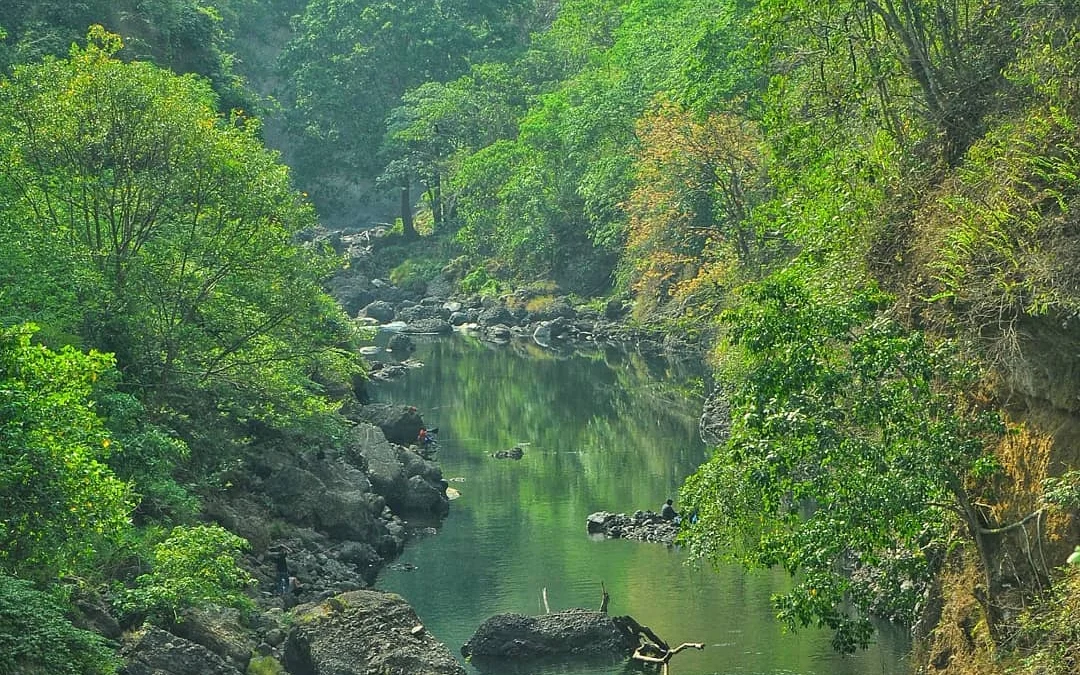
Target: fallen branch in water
{"x":665,"y":657}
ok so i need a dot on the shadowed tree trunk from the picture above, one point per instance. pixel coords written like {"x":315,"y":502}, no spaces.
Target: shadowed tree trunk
{"x":407,"y":227}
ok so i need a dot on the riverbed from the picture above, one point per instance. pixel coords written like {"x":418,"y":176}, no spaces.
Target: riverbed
{"x":601,"y":430}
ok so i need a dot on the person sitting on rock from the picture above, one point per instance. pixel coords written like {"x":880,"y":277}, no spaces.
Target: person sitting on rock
{"x":668,"y":512}
{"x":426,"y":436}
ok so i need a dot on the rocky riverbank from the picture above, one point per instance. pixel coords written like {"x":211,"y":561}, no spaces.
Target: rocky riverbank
{"x":321,"y":525}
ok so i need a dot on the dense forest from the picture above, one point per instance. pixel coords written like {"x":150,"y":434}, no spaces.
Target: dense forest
{"x":860,"y":209}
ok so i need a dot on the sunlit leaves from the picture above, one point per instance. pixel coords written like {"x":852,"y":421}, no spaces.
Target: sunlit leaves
{"x":193,"y":567}
{"x":695,"y":185}
{"x":169,"y":227}
{"x":57,"y":495}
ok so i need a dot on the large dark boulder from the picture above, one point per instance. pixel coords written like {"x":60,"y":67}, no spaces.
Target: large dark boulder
{"x":364,"y":633}
{"x":407,"y":481}
{"x":221,"y":630}
{"x":399,"y":423}
{"x":572,"y":633}
{"x":153,"y":651}
{"x":430,"y":326}
{"x":422,"y":311}
{"x":494,"y":315}
{"x":324,"y":499}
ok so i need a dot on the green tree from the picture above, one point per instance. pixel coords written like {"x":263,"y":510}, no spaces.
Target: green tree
{"x":58,"y":497}
{"x":187,"y":36}
{"x":351,"y":61}
{"x":169,"y":233}
{"x":854,"y":444}
{"x":438,"y":125}
{"x":696,"y":184}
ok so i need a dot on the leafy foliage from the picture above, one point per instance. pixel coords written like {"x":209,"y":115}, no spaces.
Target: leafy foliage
{"x":351,"y":61}
{"x":187,"y":36}
{"x":37,"y":639}
{"x":58,"y":496}
{"x":851,"y":437}
{"x":168,"y":232}
{"x":696,"y":183}
{"x":193,"y":567}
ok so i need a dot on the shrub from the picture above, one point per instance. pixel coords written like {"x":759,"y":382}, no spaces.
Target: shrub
{"x":265,"y":665}
{"x":193,"y":567}
{"x":479,"y":281}
{"x":414,"y":274}
{"x":36,"y":638}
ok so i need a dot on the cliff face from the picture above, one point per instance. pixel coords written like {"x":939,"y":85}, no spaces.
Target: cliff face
{"x":1012,"y":296}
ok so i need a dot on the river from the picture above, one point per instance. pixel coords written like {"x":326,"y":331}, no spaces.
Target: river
{"x":601,"y":431}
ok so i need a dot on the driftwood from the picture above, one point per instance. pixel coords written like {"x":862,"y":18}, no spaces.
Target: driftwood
{"x":651,"y":648}
{"x":664,"y":658}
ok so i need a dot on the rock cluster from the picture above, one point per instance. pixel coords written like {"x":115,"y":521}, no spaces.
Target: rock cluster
{"x":335,"y":516}
{"x":641,"y":526}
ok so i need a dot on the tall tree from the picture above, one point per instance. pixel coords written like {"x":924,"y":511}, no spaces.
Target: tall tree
{"x":170,"y":227}
{"x":351,"y":61}
{"x":855,"y":444}
{"x":696,"y":183}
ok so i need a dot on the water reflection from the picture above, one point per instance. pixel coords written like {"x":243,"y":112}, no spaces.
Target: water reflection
{"x":601,"y":431}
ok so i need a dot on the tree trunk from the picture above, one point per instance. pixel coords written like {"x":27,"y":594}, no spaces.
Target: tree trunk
{"x":436,"y":202}
{"x":408,"y":230}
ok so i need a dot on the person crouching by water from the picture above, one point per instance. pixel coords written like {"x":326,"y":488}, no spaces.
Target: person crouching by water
{"x":668,"y":512}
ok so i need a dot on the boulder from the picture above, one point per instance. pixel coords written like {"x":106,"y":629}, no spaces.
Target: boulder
{"x":424,"y":496}
{"x":422,"y":311}
{"x":500,"y":332}
{"x":516,"y":452}
{"x":338,"y":508}
{"x":401,"y":343}
{"x":364,"y":633}
{"x":434,"y":326}
{"x":497,"y":314}
{"x":572,"y":633}
{"x":399,"y":423}
{"x":407,"y":481}
{"x":380,"y":310}
{"x":94,"y":614}
{"x":547,"y":331}
{"x":152,"y":651}
{"x":221,"y":630}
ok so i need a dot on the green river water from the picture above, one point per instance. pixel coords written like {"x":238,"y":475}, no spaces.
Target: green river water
{"x":601,"y":431}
